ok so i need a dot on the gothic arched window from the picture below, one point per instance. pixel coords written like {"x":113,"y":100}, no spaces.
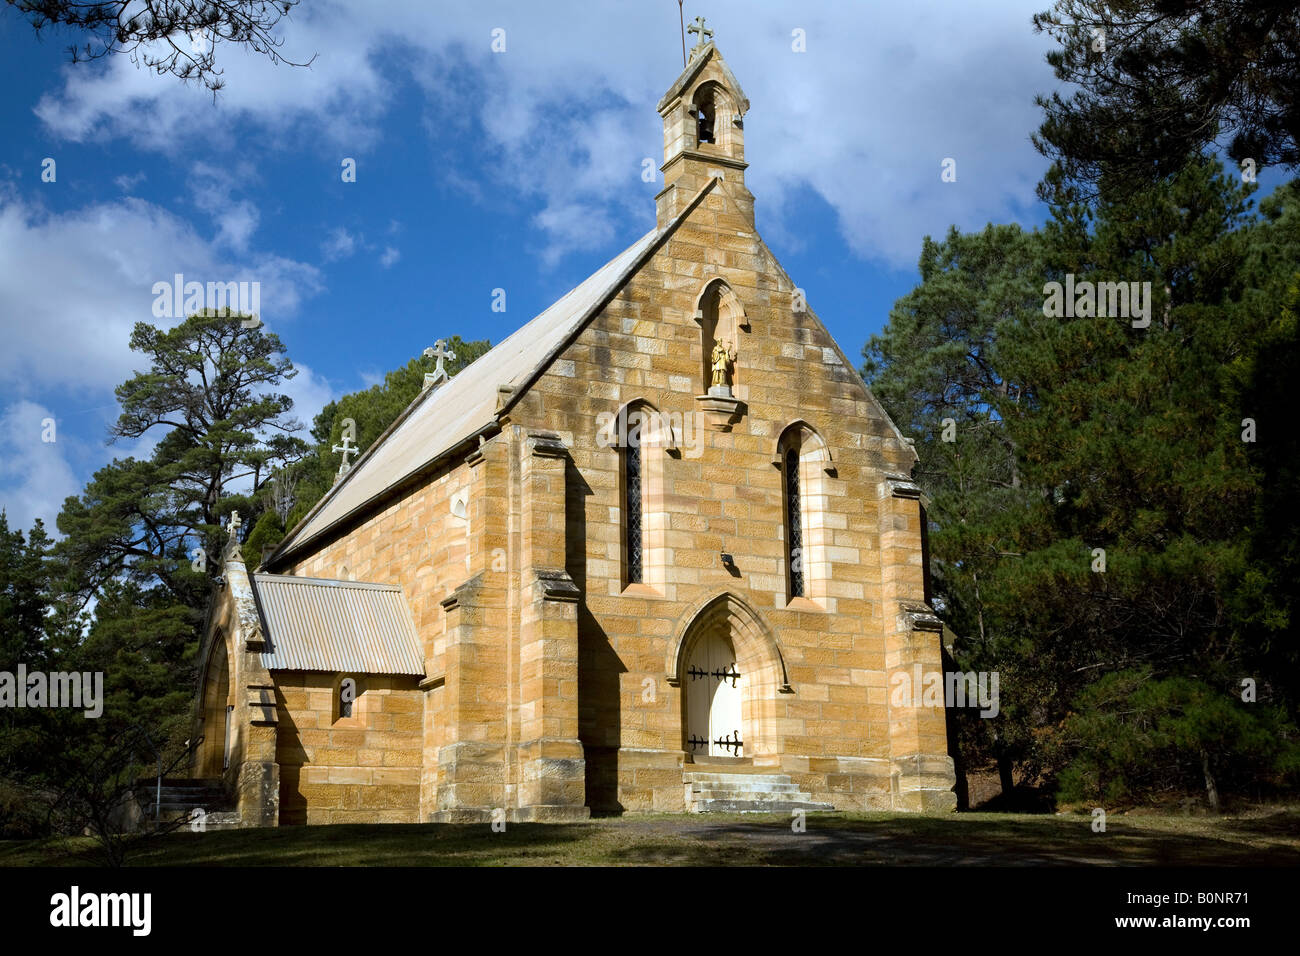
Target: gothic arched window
{"x":805,"y":464}
{"x":794,"y":549}
{"x":633,"y":512}
{"x":643,"y":439}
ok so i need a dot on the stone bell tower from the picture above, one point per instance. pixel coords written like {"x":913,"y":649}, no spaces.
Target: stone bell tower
{"x":704,"y":130}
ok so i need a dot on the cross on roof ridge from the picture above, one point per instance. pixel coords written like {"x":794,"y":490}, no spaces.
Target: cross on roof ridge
{"x":697,"y":26}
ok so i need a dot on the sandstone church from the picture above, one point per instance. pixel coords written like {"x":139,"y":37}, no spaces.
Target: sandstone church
{"x":657,"y":550}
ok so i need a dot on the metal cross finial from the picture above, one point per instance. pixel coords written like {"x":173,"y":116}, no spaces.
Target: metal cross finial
{"x":697,"y":26}
{"x":347,"y":448}
{"x":441,"y":353}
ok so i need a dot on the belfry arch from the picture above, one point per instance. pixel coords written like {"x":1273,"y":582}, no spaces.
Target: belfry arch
{"x":758,"y":658}
{"x":715,"y":117}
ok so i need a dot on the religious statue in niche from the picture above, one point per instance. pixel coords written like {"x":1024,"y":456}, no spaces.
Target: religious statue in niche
{"x":724,"y":358}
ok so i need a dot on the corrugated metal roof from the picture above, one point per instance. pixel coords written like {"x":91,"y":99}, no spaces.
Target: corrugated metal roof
{"x":438,"y":421}
{"x":313,"y":624}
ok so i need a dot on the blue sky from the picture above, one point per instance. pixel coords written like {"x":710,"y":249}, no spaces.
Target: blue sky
{"x":476,"y":170}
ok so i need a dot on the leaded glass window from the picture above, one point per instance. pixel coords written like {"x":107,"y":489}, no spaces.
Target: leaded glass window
{"x":632,"y":509}
{"x":794,"y":523}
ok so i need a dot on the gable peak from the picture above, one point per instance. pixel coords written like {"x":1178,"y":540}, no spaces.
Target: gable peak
{"x":701,"y":57}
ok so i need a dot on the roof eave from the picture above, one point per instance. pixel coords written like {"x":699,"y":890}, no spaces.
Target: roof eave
{"x":287,"y":549}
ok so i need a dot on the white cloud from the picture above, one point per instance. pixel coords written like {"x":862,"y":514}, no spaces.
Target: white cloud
{"x":73,"y":285}
{"x":212,"y":189}
{"x":35,"y":476}
{"x":389,"y":256}
{"x":310,"y":393}
{"x":339,"y":244}
{"x":573,"y":226}
{"x":116,"y":98}
{"x":863,"y":118}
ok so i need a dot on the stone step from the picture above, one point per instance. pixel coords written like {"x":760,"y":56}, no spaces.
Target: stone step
{"x":211,"y":820}
{"x":757,"y":806}
{"x":223,"y":820}
{"x":724,"y":765}
{"x":186,"y":810}
{"x":179,"y":797}
{"x":216,"y":819}
{"x":716,"y":791}
{"x":712,"y":793}
{"x":742,"y":788}
{"x":747,"y":779}
{"x":185,"y":796}
{"x":173,"y":786}
{"x":743,"y":783}
{"x":758,"y":796}
{"x":183,"y":782}
{"x":189,"y":795}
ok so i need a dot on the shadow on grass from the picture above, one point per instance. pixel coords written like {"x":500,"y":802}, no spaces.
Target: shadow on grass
{"x":1021,"y":799}
{"x":758,"y":840}
{"x":989,"y":841}
{"x":1284,"y":824}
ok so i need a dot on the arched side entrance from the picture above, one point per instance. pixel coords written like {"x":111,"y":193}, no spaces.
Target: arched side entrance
{"x":218,"y":719}
{"x":729,"y":666}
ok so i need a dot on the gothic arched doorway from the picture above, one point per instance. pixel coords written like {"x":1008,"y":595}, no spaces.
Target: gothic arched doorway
{"x":218,"y":724}
{"x":714,"y":688}
{"x":739,"y":704}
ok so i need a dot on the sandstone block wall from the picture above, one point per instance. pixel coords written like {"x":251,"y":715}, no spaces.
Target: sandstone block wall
{"x":832,"y":730}
{"x":362,"y":769}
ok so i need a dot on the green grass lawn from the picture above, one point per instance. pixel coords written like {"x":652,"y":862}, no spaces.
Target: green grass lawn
{"x":1260,"y":838}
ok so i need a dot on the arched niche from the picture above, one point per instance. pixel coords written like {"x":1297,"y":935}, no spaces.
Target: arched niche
{"x":722,"y":317}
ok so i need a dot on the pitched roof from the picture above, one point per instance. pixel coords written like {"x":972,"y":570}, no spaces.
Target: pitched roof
{"x":440,"y":420}
{"x":312,"y":624}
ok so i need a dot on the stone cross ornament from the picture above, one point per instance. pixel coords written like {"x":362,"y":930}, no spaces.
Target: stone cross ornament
{"x":440,"y":352}
{"x":347,"y":448}
{"x":697,"y":26}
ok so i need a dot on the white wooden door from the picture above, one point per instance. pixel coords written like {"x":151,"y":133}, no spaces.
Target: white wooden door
{"x":714,"y":686}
